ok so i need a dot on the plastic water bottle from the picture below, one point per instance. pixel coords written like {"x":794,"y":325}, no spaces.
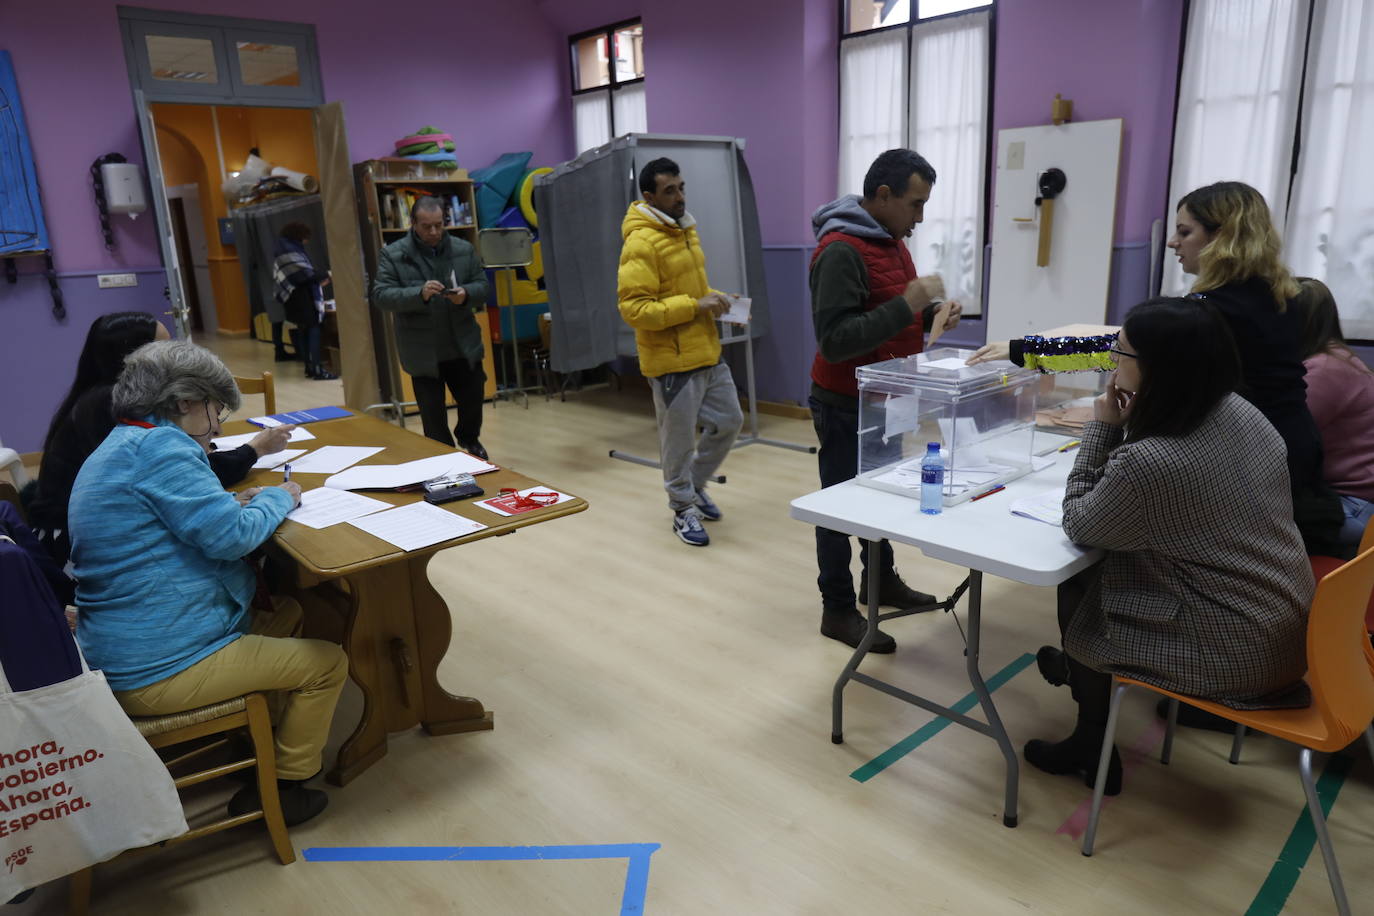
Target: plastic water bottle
{"x":932,"y":480}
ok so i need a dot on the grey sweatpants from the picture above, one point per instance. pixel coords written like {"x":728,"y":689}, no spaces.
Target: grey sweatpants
{"x":683,"y":401}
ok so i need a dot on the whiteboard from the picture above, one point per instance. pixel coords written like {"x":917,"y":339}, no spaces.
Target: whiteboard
{"x":1023,"y":298}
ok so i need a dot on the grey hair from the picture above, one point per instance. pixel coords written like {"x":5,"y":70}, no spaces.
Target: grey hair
{"x":159,"y":374}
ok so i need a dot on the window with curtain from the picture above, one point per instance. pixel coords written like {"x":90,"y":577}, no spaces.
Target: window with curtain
{"x":1241,"y":78}
{"x":608,"y":84}
{"x":1330,"y":227}
{"x":924,"y":86}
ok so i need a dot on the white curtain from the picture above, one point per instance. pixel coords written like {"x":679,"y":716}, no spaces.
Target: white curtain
{"x":591,"y":119}
{"x":872,"y":103}
{"x":948,"y":126}
{"x":1237,"y":103}
{"x":631,"y":115}
{"x":1330,"y":231}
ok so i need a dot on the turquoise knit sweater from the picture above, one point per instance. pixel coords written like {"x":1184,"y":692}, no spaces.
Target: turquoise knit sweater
{"x":157,"y":546}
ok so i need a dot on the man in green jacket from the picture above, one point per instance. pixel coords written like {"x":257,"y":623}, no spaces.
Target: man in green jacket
{"x":435,"y":285}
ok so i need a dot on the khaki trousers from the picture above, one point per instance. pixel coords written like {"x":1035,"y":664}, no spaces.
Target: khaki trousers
{"x":309,"y":673}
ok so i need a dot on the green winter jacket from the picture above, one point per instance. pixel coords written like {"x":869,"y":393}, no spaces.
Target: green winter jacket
{"x":428,"y":333}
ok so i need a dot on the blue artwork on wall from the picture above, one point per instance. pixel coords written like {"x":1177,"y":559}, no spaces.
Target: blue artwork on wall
{"x":21,"y":211}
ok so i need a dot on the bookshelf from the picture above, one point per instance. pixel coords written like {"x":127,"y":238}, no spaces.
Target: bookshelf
{"x":384,"y":189}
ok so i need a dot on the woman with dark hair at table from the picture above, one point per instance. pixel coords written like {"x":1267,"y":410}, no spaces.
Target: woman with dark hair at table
{"x":84,"y":419}
{"x":1205,"y":586}
{"x":298,"y":287}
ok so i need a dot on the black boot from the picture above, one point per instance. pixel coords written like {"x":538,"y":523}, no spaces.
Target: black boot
{"x":475,"y":449}
{"x":893,"y":592}
{"x":849,"y":626}
{"x":298,"y":804}
{"x":1076,"y":755}
{"x":1053,"y":665}
{"x":296,"y":344}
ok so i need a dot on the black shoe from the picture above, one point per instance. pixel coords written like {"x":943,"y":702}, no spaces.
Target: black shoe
{"x":281,"y":356}
{"x":1192,"y":717}
{"x":298,"y":804}
{"x":1053,"y":665}
{"x":1073,"y":757}
{"x":318,"y":372}
{"x":894,"y":593}
{"x":849,"y":626}
{"x":474,"y":448}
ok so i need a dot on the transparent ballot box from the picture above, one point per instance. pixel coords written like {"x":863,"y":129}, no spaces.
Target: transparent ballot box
{"x":983,"y":417}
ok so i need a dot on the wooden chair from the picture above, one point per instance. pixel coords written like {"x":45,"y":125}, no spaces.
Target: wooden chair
{"x":249,"y":712}
{"x":262,"y":385}
{"x":1340,"y":672}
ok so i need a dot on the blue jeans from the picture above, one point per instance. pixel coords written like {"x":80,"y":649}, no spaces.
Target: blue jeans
{"x":1358,"y":512}
{"x":837,"y":429}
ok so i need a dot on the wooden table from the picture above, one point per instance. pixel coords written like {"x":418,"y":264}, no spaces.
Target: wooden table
{"x":377,"y":600}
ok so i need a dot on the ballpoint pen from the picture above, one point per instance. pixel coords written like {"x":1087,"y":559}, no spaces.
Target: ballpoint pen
{"x":286,"y":469}
{"x":997,"y":489}
{"x":1068,"y":445}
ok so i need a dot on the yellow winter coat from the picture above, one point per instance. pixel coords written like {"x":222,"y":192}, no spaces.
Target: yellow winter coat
{"x":662,"y":275}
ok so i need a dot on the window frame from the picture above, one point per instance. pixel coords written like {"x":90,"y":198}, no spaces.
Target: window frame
{"x":990,"y":6}
{"x":608,"y":33}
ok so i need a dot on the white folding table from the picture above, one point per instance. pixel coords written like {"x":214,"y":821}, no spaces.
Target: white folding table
{"x":980,"y":535}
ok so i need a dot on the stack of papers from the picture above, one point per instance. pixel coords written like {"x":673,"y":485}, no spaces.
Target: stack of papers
{"x":323,"y":507}
{"x":396,"y":476}
{"x":331,"y":459}
{"x":1047,"y":507}
{"x":417,"y":525}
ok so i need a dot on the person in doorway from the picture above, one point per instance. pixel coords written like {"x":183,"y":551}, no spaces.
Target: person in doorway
{"x":665,"y":297}
{"x":868,"y":306}
{"x":298,"y":286}
{"x":435,"y":285}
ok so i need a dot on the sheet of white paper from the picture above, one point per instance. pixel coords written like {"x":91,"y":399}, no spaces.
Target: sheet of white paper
{"x":417,"y":525}
{"x":323,"y":507}
{"x":959,"y":433}
{"x":276,"y":458}
{"x":739,"y":310}
{"x":1047,"y":507}
{"x":299,"y":434}
{"x":901,"y":414}
{"x":330,"y":459}
{"x":452,"y":280}
{"x":562,"y":498}
{"x":937,"y":324}
{"x":949,"y":362}
{"x":391,"y":476}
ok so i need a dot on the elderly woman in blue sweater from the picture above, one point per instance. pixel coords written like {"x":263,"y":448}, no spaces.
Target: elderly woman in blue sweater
{"x":158,"y":548}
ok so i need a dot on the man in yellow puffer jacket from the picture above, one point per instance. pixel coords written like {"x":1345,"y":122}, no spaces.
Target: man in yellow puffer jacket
{"x":664,"y":296}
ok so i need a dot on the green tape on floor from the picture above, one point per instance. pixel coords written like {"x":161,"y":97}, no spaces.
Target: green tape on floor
{"x":937,"y":725}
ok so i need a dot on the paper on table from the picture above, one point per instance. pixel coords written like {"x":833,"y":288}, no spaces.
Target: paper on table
{"x":901,"y":414}
{"x":937,"y":324}
{"x":1047,"y":507}
{"x":739,"y":310}
{"x":417,"y":525}
{"x":330,"y":459}
{"x":492,"y":505}
{"x":276,"y":458}
{"x":392,"y":476}
{"x":323,"y":507}
{"x":228,"y":442}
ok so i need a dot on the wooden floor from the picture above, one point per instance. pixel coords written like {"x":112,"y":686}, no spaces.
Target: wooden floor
{"x":646,"y":692}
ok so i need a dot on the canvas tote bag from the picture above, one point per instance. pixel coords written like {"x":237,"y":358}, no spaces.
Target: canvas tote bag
{"x":78,"y":783}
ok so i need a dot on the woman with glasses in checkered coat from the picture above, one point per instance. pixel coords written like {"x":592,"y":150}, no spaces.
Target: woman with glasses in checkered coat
{"x":1205,"y":585}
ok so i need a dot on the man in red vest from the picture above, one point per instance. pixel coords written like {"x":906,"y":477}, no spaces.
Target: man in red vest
{"x":868,"y":306}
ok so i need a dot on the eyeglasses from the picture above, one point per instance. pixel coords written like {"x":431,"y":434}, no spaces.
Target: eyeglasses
{"x":217,"y":418}
{"x":1119,"y":352}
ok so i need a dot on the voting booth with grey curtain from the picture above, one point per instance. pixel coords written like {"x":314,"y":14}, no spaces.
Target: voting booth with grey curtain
{"x":581,"y":205}
{"x":256,"y":230}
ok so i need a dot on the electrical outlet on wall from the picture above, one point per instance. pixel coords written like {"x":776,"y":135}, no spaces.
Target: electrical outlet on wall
{"x":108,"y":281}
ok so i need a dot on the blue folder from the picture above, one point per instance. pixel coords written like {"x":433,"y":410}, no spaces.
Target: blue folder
{"x":312,"y":415}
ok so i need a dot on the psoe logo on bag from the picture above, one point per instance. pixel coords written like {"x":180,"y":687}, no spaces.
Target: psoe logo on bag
{"x":18,"y":857}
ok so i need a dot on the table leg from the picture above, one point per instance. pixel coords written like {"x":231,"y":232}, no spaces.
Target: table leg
{"x":837,"y":697}
{"x":441,"y":712}
{"x":975,"y":611}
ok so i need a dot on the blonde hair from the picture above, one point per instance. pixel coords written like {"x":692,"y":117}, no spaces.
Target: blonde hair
{"x":1244,"y":241}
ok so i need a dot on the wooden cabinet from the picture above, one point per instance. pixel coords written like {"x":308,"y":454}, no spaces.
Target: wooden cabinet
{"x":386,"y":188}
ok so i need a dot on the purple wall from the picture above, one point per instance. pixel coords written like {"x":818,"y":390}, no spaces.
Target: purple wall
{"x":76,"y":114}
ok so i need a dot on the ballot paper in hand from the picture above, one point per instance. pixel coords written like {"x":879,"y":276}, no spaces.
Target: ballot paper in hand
{"x":739,"y":310}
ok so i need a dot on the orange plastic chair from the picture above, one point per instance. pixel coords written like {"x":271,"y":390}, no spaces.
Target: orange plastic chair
{"x":1340,"y":671}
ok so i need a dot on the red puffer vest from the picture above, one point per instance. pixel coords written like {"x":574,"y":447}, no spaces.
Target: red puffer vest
{"x":889,"y":271}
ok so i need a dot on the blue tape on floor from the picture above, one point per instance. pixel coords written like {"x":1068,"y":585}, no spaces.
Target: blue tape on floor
{"x":932,"y":728}
{"x":636,"y":876}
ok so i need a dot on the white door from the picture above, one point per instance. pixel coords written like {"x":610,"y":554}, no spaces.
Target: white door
{"x":158,"y":191}
{"x":199,"y":268}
